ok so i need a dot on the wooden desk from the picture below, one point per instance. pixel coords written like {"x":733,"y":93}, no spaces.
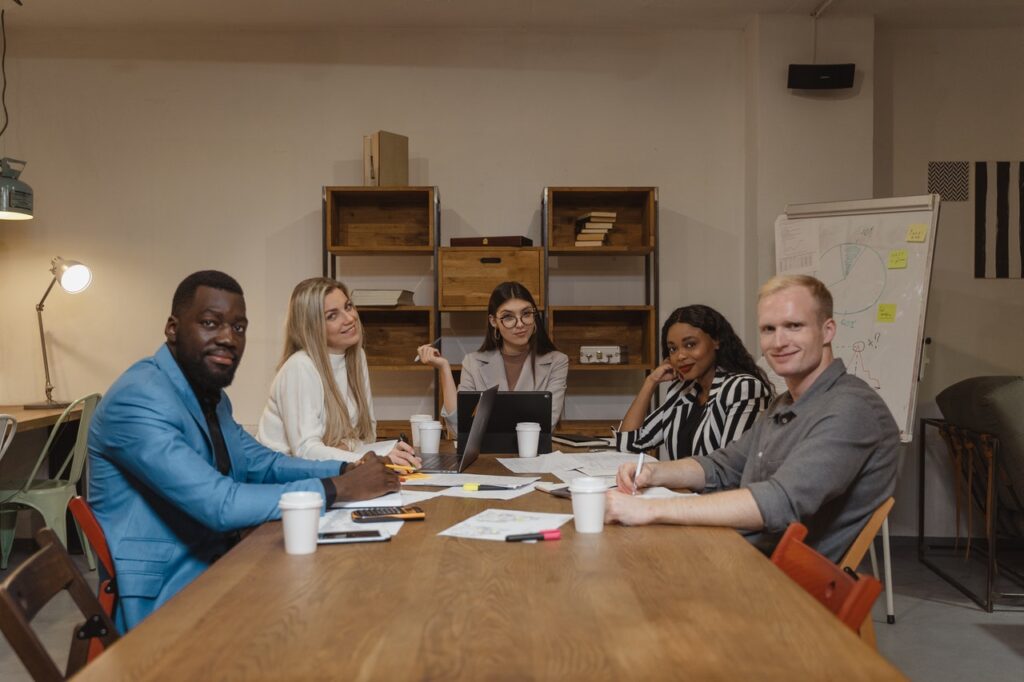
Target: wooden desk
{"x":631,"y":603}
{"x":36,"y":419}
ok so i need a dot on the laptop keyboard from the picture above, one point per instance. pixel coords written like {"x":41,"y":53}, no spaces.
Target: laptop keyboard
{"x":440,"y":462}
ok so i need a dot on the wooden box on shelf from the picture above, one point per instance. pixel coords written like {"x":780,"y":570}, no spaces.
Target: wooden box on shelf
{"x":392,"y":335}
{"x":632,"y":327}
{"x":366,"y":220}
{"x":633,"y":230}
{"x":466,"y":275}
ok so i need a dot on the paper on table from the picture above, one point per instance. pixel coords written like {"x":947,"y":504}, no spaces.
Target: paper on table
{"x":389,"y":500}
{"x":659,"y":493}
{"x":340,"y":520}
{"x":568,"y":476}
{"x":495,"y":524}
{"x":458,"y":491}
{"x":416,"y":496}
{"x":381,"y":447}
{"x":554,"y":462}
{"x":446,"y":480}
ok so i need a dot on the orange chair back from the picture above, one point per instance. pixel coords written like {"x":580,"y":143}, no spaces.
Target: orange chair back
{"x":842,"y":591}
{"x":107,"y":596}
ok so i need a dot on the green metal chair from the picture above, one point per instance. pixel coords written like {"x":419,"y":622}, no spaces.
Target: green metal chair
{"x":49,"y":496}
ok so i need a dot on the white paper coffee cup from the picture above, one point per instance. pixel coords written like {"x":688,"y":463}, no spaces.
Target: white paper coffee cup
{"x":430,"y":437}
{"x":528,"y":435}
{"x":300,"y":517}
{"x":414,"y":425}
{"x":588,"y":503}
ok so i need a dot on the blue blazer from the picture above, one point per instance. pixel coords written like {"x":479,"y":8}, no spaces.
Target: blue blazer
{"x":166,"y":510}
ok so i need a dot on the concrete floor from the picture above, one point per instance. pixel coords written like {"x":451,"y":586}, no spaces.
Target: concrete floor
{"x":939,"y":634}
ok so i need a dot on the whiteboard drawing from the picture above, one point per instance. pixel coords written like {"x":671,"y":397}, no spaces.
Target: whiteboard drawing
{"x":855,"y":274}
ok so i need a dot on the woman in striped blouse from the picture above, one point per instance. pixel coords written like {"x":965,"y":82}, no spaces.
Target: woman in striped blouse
{"x":717,"y":389}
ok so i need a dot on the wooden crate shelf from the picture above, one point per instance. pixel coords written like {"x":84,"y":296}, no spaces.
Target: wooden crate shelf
{"x":380,"y":220}
{"x":468,"y":274}
{"x":392,"y":335}
{"x":632,"y":327}
{"x":635,"y":224}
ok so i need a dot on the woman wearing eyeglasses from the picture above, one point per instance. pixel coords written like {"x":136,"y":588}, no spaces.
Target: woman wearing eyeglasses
{"x":716,"y":390}
{"x":516,"y":355}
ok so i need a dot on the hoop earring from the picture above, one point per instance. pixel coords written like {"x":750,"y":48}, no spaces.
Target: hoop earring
{"x":497,"y":336}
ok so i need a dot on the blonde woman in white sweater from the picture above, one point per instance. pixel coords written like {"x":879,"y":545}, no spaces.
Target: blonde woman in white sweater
{"x":320,"y":405}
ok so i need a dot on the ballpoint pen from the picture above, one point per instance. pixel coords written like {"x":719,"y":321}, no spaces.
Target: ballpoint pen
{"x":543,"y":535}
{"x":639,"y":467}
{"x":432,"y":343}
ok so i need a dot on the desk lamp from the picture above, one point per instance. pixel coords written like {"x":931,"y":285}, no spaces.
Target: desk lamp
{"x":73,"y":278}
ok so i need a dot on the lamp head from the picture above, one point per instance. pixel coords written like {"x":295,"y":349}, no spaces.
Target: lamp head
{"x":72,"y":276}
{"x":16,"y":197}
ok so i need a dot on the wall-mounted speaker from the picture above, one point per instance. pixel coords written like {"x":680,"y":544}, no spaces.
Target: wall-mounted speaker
{"x":820,"y":76}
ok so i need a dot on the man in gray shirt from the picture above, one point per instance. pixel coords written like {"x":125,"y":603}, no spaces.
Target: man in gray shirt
{"x":824,"y":453}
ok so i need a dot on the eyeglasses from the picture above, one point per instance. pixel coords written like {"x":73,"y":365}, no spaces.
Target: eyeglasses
{"x":508,"y":320}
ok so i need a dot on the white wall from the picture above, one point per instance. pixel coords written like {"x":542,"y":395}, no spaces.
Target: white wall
{"x":154,"y":155}
{"x":952,"y":95}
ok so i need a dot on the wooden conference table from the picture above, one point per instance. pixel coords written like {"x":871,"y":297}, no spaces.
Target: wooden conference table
{"x":36,"y":419}
{"x":630,"y":603}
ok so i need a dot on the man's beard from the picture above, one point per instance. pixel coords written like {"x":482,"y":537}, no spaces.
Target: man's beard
{"x":200,"y":375}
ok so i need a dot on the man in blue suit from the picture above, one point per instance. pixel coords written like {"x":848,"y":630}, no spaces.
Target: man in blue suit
{"x":173,"y":477}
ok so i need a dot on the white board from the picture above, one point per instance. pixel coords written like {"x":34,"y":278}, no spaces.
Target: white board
{"x":875,"y":256}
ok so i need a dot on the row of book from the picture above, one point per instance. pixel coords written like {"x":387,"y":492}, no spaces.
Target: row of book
{"x":592,"y":228}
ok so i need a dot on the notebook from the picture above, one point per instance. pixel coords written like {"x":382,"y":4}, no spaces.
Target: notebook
{"x":447,"y":463}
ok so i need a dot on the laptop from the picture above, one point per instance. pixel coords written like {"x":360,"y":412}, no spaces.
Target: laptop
{"x":457,"y":463}
{"x":510,"y":408}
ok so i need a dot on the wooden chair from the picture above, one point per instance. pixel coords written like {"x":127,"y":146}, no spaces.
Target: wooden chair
{"x":841,"y":590}
{"x":29,"y":587}
{"x":865,"y":543}
{"x":86,"y":520}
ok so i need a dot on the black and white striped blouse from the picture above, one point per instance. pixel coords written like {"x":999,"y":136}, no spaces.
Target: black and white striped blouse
{"x":734,"y":402}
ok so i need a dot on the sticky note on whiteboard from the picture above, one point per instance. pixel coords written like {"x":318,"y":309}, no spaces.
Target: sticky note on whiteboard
{"x":898,"y":259}
{"x":917,"y":232}
{"x":886,"y":312}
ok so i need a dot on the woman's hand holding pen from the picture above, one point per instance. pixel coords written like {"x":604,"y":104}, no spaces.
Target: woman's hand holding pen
{"x":404,"y":454}
{"x":431,"y":356}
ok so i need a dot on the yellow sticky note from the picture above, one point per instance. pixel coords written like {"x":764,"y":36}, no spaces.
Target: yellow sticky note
{"x":897,"y":259}
{"x":917,"y":232}
{"x":886,"y":312}
{"x":414,"y":477}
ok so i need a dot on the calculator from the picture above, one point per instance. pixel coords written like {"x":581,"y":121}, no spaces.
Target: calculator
{"x":375,"y":514}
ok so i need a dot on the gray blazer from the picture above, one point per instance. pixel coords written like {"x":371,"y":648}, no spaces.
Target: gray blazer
{"x":483,"y":369}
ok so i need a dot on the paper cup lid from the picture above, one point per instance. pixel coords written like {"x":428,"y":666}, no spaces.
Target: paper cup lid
{"x":588,"y":484}
{"x":301,"y":500}
{"x":527,"y":426}
{"x":430,"y":425}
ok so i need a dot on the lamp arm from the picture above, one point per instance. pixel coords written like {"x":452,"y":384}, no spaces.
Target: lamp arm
{"x":39,"y":306}
{"x":42,"y":341}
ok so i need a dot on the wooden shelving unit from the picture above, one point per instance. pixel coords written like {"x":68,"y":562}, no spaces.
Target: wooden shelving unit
{"x":386,"y":221}
{"x":634,"y":326}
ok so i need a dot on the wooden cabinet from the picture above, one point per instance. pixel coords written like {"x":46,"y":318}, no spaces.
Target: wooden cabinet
{"x":468,"y":274}
{"x":631,"y":324}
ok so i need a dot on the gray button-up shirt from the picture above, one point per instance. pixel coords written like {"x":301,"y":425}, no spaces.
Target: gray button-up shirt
{"x":827,"y":460}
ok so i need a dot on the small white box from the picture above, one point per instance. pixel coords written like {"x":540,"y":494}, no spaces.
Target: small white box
{"x":602,"y":355}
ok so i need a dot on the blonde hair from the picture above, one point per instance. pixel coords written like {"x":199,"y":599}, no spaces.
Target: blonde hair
{"x":305,"y":330}
{"x":815,"y":287}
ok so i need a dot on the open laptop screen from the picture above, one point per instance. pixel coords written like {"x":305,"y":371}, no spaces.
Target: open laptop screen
{"x":510,"y":408}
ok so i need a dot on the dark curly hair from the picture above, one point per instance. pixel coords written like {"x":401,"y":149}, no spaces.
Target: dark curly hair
{"x":731,"y":355}
{"x":540,"y":342}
